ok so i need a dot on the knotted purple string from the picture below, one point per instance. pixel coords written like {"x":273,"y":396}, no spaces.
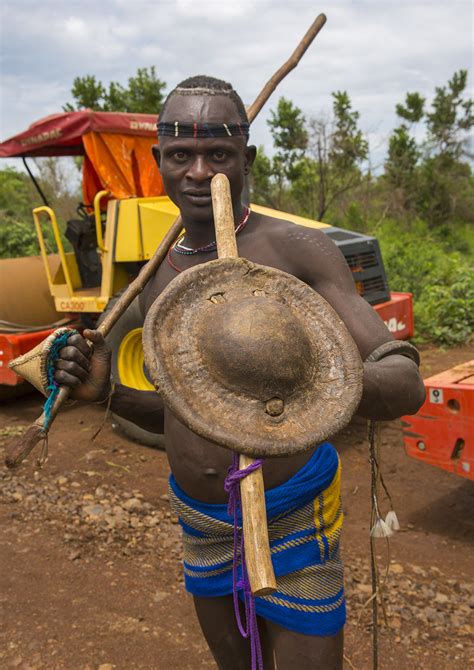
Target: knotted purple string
{"x":232,"y":487}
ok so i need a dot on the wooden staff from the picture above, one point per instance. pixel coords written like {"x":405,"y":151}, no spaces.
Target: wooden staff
{"x":38,"y":431}
{"x":254,"y":517}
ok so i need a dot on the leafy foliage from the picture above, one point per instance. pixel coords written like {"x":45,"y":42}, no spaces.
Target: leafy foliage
{"x":442,"y":282}
{"x":421,"y":208}
{"x":17,"y":199}
{"x":348,"y":147}
{"x":144,"y":94}
{"x":315,"y":162}
{"x":17,"y":236}
{"x":413,"y":110}
{"x":451,"y":117}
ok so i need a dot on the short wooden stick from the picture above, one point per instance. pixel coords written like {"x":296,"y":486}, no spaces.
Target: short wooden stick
{"x":255,"y":528}
{"x":252,"y":491}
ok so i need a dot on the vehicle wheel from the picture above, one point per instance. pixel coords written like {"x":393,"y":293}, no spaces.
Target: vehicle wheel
{"x":128,"y":367}
{"x":8,"y":393}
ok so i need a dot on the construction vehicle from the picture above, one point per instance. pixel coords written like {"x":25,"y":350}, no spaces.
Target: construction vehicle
{"x":125,"y":216}
{"x":442,"y":432}
{"x":27,"y":316}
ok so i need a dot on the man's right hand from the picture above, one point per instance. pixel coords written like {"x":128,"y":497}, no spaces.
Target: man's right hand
{"x":85,"y":369}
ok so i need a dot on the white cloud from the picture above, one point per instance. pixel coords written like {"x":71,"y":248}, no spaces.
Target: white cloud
{"x":377,"y":50}
{"x":76,"y":27}
{"x":215,"y":11}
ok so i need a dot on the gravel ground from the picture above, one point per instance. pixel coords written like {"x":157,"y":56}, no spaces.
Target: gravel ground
{"x":90,"y":557}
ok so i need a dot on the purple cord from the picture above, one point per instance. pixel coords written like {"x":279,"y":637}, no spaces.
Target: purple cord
{"x":232,"y":487}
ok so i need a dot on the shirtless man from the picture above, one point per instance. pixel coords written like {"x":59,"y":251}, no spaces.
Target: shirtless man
{"x":392,"y":386}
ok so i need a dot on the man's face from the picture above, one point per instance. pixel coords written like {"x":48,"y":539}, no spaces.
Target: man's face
{"x":187,"y":165}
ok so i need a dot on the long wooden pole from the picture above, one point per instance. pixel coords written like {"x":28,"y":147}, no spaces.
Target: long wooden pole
{"x":38,"y":431}
{"x":252,"y":492}
{"x":287,"y":67}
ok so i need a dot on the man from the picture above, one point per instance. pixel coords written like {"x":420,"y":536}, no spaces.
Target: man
{"x":203,"y":130}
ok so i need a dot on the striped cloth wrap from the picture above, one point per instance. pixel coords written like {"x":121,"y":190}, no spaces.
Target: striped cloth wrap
{"x":304,"y":526}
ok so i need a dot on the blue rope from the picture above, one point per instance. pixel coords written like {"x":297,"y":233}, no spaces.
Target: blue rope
{"x":53,"y":386}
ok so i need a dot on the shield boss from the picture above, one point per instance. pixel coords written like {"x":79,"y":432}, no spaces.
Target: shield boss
{"x":252,"y":358}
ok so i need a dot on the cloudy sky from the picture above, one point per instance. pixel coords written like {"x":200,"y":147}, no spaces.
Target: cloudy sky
{"x":377,"y":50}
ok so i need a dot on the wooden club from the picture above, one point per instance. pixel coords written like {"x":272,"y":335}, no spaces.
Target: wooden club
{"x":38,"y":431}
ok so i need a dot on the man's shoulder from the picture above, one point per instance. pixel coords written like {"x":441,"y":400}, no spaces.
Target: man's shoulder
{"x":295,"y":236}
{"x":283,"y":227}
{"x":306,"y":252}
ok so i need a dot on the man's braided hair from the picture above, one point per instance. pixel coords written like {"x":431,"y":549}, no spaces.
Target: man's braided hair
{"x":204,"y":85}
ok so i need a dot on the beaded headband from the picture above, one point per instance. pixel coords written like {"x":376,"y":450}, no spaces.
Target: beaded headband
{"x":198,"y":130}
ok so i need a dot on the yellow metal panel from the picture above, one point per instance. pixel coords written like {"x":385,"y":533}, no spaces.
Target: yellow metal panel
{"x":120,"y":279}
{"x":128,"y":243}
{"x":69,"y":260}
{"x":156,"y":217}
{"x":107,"y":257}
{"x":143,"y":222}
{"x":300,"y":220}
{"x":80,"y":303}
{"x":98,"y":221}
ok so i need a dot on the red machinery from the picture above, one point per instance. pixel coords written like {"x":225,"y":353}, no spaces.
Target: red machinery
{"x":442,"y":433}
{"x":117,"y":157}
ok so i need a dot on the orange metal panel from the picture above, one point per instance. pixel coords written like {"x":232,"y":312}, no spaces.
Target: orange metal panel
{"x":13,"y":345}
{"x":442,"y":433}
{"x":397,"y":314}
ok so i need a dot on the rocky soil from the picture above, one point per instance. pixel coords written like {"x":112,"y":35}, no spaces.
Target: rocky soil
{"x":90,"y":574}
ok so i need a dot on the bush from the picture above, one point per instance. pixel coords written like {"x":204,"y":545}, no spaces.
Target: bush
{"x":446,"y":313}
{"x":442,"y":282}
{"x":17,"y":238}
{"x":17,"y":231}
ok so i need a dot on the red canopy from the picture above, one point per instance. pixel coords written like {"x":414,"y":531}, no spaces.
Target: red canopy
{"x":61,"y":134}
{"x":117,"y":150}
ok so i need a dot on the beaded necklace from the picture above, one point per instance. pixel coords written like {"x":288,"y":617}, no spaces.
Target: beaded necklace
{"x":180,"y":248}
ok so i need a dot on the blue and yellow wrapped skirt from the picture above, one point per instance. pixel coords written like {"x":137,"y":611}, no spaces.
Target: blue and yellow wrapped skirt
{"x":304,"y":526}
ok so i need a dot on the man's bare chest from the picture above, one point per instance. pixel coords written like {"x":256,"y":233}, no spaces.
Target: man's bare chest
{"x":255,"y":248}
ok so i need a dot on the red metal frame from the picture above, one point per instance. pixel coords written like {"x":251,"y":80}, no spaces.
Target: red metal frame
{"x":397,"y":314}
{"x":442,"y":433}
{"x":13,"y":345}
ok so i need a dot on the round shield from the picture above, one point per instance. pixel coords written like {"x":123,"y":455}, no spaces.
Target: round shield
{"x":251,"y":358}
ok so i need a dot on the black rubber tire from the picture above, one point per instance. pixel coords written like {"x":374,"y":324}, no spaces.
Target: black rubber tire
{"x":129,"y":321}
{"x":137,"y":434}
{"x":10,"y":393}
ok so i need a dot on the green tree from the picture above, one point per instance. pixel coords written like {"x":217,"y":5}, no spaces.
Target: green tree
{"x":18,"y":197}
{"x":348,"y":146}
{"x":403,"y":155}
{"x":445,"y":176}
{"x":290,"y":139}
{"x":143,"y":94}
{"x":414,"y":108}
{"x":451,"y":118}
{"x":17,"y":233}
{"x":315,"y":162}
{"x":260,"y":180}
{"x":404,"y":152}
{"x":401,"y":169}
{"x":87,"y":92}
{"x":430,"y":178}
{"x":339,"y":149}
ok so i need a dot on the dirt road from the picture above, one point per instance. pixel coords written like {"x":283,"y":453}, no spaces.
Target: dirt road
{"x":90,"y":574}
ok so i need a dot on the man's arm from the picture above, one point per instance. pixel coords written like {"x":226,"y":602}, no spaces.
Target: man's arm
{"x":86,"y":372}
{"x":392,"y":386}
{"x":145,"y":408}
